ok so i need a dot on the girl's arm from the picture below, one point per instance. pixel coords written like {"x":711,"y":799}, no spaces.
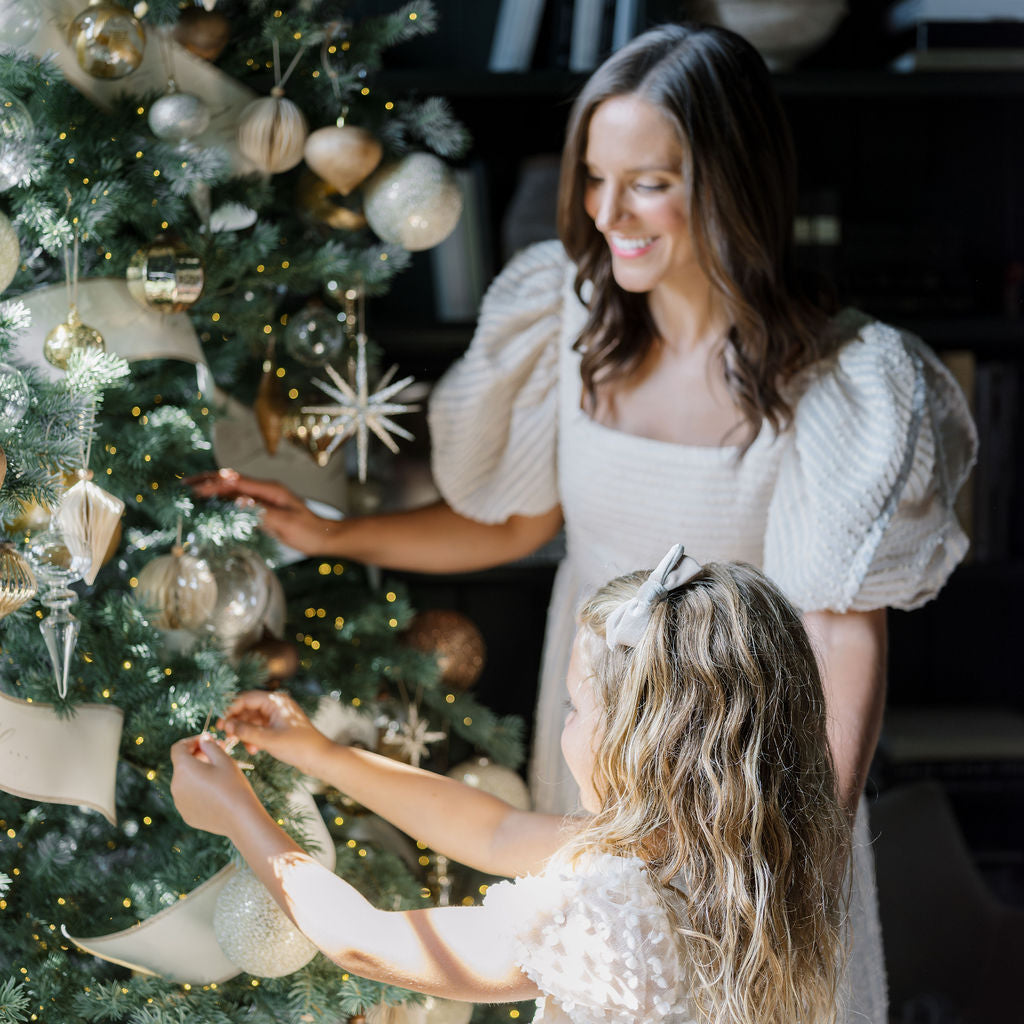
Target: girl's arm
{"x":432,"y":539}
{"x":455,"y":952}
{"x":452,"y":818}
{"x":851,"y":651}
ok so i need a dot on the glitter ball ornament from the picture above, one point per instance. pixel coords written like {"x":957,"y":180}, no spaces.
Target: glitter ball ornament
{"x":14,"y":396}
{"x":315,"y":335}
{"x":271,"y":133}
{"x":182,"y":588}
{"x":454,"y":641}
{"x":17,"y":584}
{"x":19,"y":22}
{"x":324,"y":203}
{"x":343,"y":155}
{"x":204,"y":33}
{"x":165,"y":276}
{"x":414,"y":202}
{"x":176,"y":116}
{"x":254,"y":933}
{"x":10,"y":252}
{"x":65,"y":338}
{"x":496,"y":779}
{"x":108,"y":40}
{"x":242,"y":595}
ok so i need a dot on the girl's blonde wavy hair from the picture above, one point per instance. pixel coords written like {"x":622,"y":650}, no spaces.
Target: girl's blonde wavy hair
{"x":714,"y":768}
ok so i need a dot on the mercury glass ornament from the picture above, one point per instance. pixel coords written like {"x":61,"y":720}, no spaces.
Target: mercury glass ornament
{"x":19,"y":22}
{"x":14,"y":396}
{"x":10,"y":252}
{"x":177,"y":116}
{"x":242,"y":595}
{"x":68,"y":336}
{"x":254,"y":933}
{"x":166,"y":276}
{"x":17,"y":584}
{"x":16,"y":130}
{"x":315,"y":335}
{"x":414,"y":202}
{"x":108,"y":40}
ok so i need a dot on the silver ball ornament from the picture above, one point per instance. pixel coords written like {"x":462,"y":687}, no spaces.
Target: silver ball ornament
{"x":414,"y":202}
{"x":176,"y":116}
{"x":255,"y":933}
{"x":19,"y":22}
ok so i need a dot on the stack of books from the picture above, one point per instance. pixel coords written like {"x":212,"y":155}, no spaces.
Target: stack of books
{"x":958,"y":35}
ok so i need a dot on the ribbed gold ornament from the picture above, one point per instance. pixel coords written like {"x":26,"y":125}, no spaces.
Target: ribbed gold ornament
{"x":17,"y":584}
{"x":272,"y":132}
{"x":166,"y":276}
{"x":65,"y":338}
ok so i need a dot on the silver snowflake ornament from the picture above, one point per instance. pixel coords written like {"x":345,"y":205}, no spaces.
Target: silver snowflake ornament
{"x":413,"y":737}
{"x":358,"y":410}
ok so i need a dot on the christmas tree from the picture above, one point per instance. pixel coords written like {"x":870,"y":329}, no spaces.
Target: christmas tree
{"x":194,"y":203}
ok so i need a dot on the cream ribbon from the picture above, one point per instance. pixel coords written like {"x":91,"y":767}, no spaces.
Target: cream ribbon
{"x":61,"y":760}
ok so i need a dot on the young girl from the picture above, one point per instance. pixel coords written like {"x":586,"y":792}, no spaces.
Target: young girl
{"x":707,"y":882}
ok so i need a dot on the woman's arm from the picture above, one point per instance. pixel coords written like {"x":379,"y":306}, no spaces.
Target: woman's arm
{"x":852,"y":654}
{"x":455,"y":952}
{"x":434,"y":538}
{"x":452,"y":818}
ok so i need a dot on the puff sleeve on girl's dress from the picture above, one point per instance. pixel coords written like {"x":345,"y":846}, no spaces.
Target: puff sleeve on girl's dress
{"x":493,"y":416}
{"x":596,"y":940}
{"x":862,"y":512}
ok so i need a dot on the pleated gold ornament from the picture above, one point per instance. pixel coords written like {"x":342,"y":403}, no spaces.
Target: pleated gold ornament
{"x":89,"y":517}
{"x":272,"y":132}
{"x":17,"y":584}
{"x":181,"y":586}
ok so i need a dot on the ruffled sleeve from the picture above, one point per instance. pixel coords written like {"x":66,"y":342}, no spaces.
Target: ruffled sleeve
{"x":493,"y":416}
{"x":595,"y":939}
{"x":862,"y":513}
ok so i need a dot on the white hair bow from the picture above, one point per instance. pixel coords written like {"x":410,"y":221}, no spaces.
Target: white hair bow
{"x":626,"y":624}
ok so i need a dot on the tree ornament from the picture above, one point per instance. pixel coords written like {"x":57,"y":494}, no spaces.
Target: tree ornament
{"x":19,"y":22}
{"x":271,"y":132}
{"x":232,"y":217}
{"x":89,"y":518}
{"x":32,"y":518}
{"x":324,"y":203}
{"x":10,"y":252}
{"x":271,"y":407}
{"x":65,"y":338}
{"x":315,"y":335}
{"x":182,"y":588}
{"x":17,"y":584}
{"x":343,"y":155}
{"x":15,"y":397}
{"x":447,"y":1011}
{"x":165,"y":276}
{"x":204,"y":33}
{"x":409,"y":740}
{"x":455,"y":642}
{"x":108,"y":40}
{"x":3,"y":466}
{"x":496,"y":779}
{"x":242,"y":595}
{"x":177,"y":116}
{"x":414,"y":202}
{"x":16,"y":130}
{"x":254,"y":933}
{"x":282,"y":657}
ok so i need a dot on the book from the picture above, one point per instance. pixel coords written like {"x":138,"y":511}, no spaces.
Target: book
{"x":907,"y":13}
{"x":515,"y":35}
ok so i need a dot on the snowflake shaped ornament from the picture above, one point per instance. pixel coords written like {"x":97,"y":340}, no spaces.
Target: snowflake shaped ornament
{"x":413,"y":737}
{"x":359,"y":411}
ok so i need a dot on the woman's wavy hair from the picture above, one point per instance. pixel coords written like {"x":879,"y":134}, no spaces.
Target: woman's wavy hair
{"x":741,"y":170}
{"x":713,"y":766}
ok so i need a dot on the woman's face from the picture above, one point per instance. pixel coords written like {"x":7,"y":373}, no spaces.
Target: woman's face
{"x":583,"y":723}
{"x":636,"y":193}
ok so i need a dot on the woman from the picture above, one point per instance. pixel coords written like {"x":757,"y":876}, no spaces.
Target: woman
{"x":662,"y":373}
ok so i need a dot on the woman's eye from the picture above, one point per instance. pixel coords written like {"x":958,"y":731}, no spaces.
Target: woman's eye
{"x":651,"y":186}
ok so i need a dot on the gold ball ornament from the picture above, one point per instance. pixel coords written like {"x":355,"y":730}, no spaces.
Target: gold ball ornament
{"x":323,"y":202}
{"x":181,"y":586}
{"x":272,"y":132}
{"x":496,"y":779}
{"x":343,"y":155}
{"x":254,"y":933}
{"x":10,"y":252}
{"x":454,"y":641}
{"x":17,"y":584}
{"x":65,"y":338}
{"x":282,"y":658}
{"x":108,"y":40}
{"x":165,"y":276}
{"x":204,"y":33}
{"x":414,"y":202}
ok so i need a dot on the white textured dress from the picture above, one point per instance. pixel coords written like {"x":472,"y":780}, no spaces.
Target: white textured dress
{"x":850,"y":509}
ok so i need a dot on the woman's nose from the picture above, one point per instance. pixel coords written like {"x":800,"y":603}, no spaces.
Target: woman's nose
{"x":609,"y":207}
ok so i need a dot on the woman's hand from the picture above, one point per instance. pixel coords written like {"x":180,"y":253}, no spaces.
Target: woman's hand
{"x":285,"y":515}
{"x":275,"y":723}
{"x":208,"y":786}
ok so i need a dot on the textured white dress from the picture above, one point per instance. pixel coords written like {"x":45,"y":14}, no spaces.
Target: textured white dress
{"x":851,"y":508}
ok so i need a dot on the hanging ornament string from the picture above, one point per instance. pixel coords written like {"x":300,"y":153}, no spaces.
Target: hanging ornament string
{"x":71,"y":258}
{"x":279,"y":79}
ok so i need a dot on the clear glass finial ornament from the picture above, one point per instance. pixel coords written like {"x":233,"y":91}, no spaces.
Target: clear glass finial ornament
{"x":56,"y":568}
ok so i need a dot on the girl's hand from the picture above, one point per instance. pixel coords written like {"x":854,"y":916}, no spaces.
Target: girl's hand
{"x":285,"y":515}
{"x":208,"y":786}
{"x":275,"y":723}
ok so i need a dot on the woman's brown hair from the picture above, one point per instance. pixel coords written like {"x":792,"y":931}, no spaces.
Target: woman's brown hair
{"x":740,"y":164}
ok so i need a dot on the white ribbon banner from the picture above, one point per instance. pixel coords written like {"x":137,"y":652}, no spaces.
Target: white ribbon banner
{"x":61,"y":760}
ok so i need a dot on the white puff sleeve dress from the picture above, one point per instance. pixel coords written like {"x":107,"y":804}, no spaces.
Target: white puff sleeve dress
{"x":851,"y":508}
